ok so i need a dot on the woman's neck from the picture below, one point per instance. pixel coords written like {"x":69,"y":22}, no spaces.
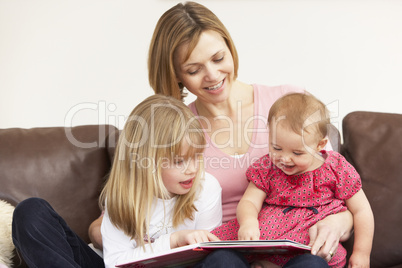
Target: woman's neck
{"x":240,"y":97}
{"x":228,"y":123}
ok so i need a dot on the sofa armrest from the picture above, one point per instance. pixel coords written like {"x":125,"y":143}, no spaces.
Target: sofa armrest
{"x":373,"y":145}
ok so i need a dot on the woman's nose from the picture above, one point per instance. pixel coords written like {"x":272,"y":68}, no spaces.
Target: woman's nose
{"x":212,"y":73}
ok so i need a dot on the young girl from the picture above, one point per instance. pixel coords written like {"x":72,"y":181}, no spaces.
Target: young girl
{"x":298,"y":184}
{"x":157,"y":196}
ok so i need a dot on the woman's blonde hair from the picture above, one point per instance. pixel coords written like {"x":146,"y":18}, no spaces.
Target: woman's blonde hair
{"x":153,"y":134}
{"x":301,"y":112}
{"x":181,"y":24}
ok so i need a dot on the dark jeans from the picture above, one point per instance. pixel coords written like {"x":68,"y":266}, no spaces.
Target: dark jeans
{"x":232,"y":259}
{"x":307,"y":260}
{"x":223,"y":258}
{"x":44,"y":239}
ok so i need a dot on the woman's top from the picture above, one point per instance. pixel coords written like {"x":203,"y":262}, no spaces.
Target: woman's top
{"x":231,"y":171}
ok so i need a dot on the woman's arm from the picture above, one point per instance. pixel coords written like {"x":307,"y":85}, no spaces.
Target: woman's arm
{"x":326,"y":234}
{"x":94,"y":232}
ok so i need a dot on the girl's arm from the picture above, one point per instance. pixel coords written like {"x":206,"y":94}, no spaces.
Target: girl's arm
{"x":209,"y":205}
{"x":118,"y":247}
{"x":247,"y":212}
{"x":364,"y":229}
{"x":207,"y":217}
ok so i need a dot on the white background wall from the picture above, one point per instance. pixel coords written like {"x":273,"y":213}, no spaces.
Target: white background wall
{"x":74,"y":62}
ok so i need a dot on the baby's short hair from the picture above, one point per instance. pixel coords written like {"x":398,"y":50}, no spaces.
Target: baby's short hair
{"x":301,"y":112}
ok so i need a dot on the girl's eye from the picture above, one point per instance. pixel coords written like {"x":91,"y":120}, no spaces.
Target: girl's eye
{"x":297,"y":153}
{"x":276,"y":148}
{"x":177,"y":160}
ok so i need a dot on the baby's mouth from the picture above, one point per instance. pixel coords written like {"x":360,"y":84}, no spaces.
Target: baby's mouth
{"x":287,"y":167}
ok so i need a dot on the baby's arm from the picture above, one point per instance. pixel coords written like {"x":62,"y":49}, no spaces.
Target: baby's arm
{"x":363,"y":220}
{"x":247,"y":212}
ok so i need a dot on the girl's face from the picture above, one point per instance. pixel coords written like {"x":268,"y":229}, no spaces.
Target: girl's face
{"x":208,"y":72}
{"x":179,"y":174}
{"x":291,"y":152}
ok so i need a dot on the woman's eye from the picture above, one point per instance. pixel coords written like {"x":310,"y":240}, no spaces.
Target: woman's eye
{"x":193,"y":72}
{"x":219,"y":60}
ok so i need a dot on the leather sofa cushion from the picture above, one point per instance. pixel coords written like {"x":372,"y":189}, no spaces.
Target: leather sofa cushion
{"x":373,"y":145}
{"x":65,"y":166}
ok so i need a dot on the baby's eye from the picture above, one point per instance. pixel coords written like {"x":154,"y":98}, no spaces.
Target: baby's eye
{"x":297,"y":153}
{"x":276,"y":148}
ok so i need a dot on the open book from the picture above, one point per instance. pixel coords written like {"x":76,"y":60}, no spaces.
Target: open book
{"x":189,"y":255}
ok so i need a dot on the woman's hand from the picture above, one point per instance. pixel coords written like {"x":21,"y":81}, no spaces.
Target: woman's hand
{"x":95,"y":234}
{"x":326,"y":234}
{"x":188,"y":237}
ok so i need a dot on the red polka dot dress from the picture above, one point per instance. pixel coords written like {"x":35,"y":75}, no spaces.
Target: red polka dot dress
{"x":295,"y":203}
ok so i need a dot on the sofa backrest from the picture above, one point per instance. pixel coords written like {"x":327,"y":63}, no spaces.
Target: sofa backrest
{"x":65,"y":166}
{"x":373,"y":145}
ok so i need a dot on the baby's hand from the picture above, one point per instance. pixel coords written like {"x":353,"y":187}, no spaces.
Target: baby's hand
{"x":188,"y":237}
{"x":359,"y":260}
{"x":249,"y":231}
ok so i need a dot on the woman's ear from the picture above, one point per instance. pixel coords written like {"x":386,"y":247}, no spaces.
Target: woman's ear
{"x":322,"y":143}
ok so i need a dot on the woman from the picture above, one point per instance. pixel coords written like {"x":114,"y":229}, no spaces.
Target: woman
{"x":192,"y":49}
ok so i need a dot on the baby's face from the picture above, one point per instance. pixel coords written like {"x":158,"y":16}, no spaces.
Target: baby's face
{"x":293,"y":153}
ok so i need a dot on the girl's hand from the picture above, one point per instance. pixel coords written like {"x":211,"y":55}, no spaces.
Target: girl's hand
{"x":188,"y":237}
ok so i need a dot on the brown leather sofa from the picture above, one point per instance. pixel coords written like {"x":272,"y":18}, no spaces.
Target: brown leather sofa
{"x":68,"y":166}
{"x":65,"y":166}
{"x":372,"y":143}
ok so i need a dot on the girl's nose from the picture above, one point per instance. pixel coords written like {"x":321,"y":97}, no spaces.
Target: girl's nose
{"x":191,"y":166}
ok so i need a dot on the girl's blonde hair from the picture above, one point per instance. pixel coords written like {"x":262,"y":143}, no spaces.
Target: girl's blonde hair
{"x":301,"y":112}
{"x":153,"y":135}
{"x":181,"y":24}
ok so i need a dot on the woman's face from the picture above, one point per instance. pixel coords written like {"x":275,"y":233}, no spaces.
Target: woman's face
{"x":208,"y":72}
